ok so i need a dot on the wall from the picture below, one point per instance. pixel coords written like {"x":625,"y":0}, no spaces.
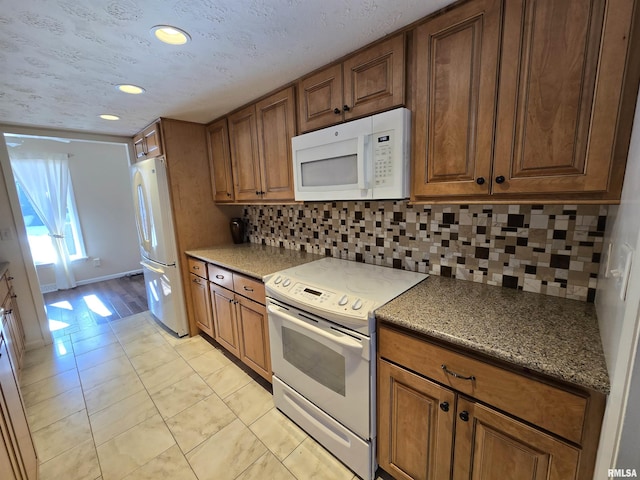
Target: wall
{"x":619,"y":322}
{"x":550,"y":249}
{"x":100,"y":177}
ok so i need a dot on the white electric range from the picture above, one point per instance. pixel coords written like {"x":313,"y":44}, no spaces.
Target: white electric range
{"x":322,"y":339}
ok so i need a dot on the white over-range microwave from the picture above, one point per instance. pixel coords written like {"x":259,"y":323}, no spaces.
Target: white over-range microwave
{"x":358,"y":160}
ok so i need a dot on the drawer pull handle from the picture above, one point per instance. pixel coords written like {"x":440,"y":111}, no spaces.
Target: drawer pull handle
{"x":444,"y":406}
{"x":248,"y":289}
{"x":195,"y":267}
{"x":457,"y":375}
{"x":464,"y":416}
{"x":219,"y":277}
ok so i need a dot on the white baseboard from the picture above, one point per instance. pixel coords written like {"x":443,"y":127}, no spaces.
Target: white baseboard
{"x":51,"y":287}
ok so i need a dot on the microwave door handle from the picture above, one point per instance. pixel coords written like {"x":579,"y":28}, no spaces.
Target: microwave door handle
{"x":346,"y":342}
{"x":362,"y":180}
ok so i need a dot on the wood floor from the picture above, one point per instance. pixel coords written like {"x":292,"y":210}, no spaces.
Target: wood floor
{"x":78,"y":308}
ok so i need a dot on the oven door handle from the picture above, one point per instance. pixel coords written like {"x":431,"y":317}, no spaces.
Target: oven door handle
{"x":345,"y":341}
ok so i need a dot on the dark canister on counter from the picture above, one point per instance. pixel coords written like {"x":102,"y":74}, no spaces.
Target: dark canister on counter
{"x":237,"y":230}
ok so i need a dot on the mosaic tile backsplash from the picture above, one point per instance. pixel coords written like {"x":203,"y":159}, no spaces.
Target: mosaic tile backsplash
{"x":549,"y":249}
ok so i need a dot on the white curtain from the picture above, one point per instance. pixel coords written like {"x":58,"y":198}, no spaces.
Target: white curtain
{"x":46,"y":181}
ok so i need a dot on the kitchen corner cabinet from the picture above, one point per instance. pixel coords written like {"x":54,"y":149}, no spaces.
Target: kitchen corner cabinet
{"x":220,"y":161}
{"x":523,"y":100}
{"x":443,"y":414}
{"x":260,"y":145}
{"x":18,"y":459}
{"x":147,"y":143}
{"x":199,"y":289}
{"x":367,"y":82}
{"x":240,"y":318}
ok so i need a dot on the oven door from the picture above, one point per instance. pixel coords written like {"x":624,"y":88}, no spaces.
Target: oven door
{"x":327,"y":364}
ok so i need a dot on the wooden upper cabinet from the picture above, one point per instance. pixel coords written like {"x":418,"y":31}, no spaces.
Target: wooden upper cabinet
{"x":548,"y":133}
{"x":147,"y":143}
{"x":455,"y":94}
{"x":524,"y":104}
{"x":320,"y":99}
{"x":220,"y":161}
{"x":243,"y":140}
{"x":368,"y":82}
{"x":260,"y":147}
{"x":276,"y":124}
{"x":374,"y":79}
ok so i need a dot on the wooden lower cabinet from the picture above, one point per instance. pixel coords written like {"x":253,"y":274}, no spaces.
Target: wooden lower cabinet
{"x":254,"y":336}
{"x":18,"y":459}
{"x":201,"y":303}
{"x":415,"y":425}
{"x":224,"y":317}
{"x":430,"y":430}
{"x":240,"y":326}
{"x":491,"y":445}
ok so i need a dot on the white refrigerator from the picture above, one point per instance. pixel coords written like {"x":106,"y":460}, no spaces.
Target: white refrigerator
{"x":160,"y":260}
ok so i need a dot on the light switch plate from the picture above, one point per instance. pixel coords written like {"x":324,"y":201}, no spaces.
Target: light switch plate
{"x":625,"y":257}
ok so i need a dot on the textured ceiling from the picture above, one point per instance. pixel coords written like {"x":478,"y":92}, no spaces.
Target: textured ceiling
{"x":62,"y":58}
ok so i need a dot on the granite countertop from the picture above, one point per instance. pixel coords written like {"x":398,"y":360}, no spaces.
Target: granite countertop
{"x":550,"y":335}
{"x":252,"y":259}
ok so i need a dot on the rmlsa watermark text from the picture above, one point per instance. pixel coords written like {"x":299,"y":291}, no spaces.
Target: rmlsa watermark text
{"x":622,"y":473}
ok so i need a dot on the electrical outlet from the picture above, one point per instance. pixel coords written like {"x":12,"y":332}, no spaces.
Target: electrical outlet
{"x":96,"y":262}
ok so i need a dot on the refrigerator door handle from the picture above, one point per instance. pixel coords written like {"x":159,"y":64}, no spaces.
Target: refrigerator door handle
{"x":153,"y":269}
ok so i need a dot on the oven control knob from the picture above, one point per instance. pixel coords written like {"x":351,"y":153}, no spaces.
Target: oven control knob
{"x":277,"y":280}
{"x":343,"y":300}
{"x":286,"y":282}
{"x":357,"y":305}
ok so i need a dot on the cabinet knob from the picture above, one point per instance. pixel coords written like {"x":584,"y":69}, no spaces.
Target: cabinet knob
{"x":444,"y":406}
{"x":10,"y":278}
{"x":337,"y":111}
{"x":228,"y":194}
{"x":257,"y":192}
{"x":480,"y":180}
{"x":346,"y":108}
{"x":500,"y":179}
{"x":464,"y":416}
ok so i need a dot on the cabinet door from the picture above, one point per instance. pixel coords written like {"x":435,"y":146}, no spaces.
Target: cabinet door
{"x":220,"y":161}
{"x":550,"y":130}
{"x":138,"y":146}
{"x":224,"y":318}
{"x":254,"y":336}
{"x":490,"y":445}
{"x":13,"y":422}
{"x":153,"y":145}
{"x":456,"y":57}
{"x":374,"y":79}
{"x":201,"y":304}
{"x":320,"y":102}
{"x":276,"y":125}
{"x":243,"y":140}
{"x":415,"y":425}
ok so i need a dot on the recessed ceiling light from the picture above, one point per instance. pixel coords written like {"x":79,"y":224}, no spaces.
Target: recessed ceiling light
{"x":108,"y":116}
{"x":171,"y":35}
{"x":132,"y":89}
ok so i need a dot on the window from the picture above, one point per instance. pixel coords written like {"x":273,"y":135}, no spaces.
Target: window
{"x":39,"y":240}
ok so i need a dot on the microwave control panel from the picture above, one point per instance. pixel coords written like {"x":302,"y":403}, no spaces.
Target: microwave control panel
{"x":382,"y":158}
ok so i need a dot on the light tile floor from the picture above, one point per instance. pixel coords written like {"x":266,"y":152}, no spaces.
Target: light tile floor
{"x":127,"y":400}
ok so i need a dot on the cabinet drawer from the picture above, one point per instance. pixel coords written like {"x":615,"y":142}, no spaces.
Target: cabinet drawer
{"x":249,"y":287}
{"x":198,"y":267}
{"x":546,"y":406}
{"x":220,"y":276}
